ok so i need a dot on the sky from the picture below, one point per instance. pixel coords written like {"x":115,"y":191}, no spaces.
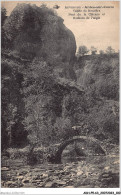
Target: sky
{"x":98,"y":33}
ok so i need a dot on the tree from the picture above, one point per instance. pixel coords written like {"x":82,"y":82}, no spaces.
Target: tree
{"x":82,"y":50}
{"x":101,"y":52}
{"x":3,"y":15}
{"x":4,"y":41}
{"x":109,"y":50}
{"x":12,"y":106}
{"x":38,"y":83}
{"x":93,"y":50}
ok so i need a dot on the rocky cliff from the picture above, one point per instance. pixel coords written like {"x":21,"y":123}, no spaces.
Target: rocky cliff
{"x":38,"y":31}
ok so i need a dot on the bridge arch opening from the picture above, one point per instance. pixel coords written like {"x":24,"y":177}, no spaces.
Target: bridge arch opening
{"x":56,"y":158}
{"x":75,"y":149}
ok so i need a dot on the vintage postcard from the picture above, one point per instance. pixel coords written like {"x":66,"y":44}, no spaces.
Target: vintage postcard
{"x":60,"y":95}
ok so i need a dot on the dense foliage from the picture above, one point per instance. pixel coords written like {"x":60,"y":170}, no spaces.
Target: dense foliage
{"x":39,"y":104}
{"x":100,"y":77}
{"x":13,"y":131}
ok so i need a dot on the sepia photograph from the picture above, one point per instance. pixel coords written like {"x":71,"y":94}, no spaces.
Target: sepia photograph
{"x":60,"y":94}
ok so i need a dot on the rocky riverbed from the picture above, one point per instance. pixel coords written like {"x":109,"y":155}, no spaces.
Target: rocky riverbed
{"x":90,"y":172}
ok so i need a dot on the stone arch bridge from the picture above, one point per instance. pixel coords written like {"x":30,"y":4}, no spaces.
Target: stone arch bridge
{"x":55,"y":157}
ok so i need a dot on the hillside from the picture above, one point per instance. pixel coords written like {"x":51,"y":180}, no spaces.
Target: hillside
{"x":99,"y":76}
{"x":46,"y":90}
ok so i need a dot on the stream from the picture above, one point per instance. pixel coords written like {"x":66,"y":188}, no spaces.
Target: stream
{"x":76,"y":172}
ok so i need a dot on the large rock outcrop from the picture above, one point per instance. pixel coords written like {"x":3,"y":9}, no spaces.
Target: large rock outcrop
{"x":38,"y":31}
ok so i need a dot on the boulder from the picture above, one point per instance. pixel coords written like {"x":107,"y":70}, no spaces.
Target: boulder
{"x":49,"y":185}
{"x":4,"y":169}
